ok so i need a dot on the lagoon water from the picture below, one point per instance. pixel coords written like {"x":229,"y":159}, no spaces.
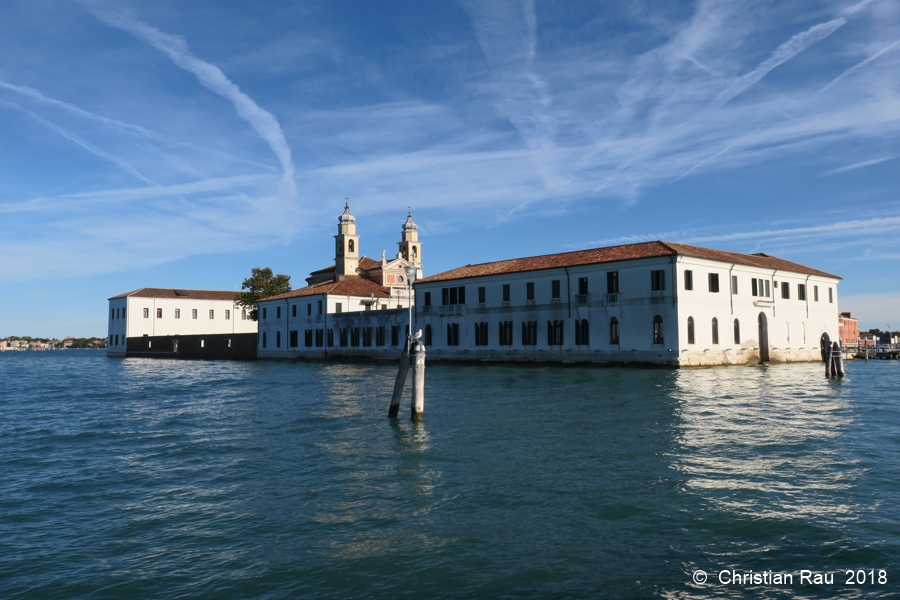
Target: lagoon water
{"x":136,"y":478}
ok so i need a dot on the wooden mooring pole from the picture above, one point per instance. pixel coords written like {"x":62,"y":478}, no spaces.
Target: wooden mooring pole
{"x":400,"y":383}
{"x":417,"y":406}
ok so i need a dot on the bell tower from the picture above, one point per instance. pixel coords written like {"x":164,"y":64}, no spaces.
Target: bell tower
{"x":410,"y":247}
{"x":346,"y":257}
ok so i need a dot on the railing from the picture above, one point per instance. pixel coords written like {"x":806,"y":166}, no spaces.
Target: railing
{"x":582,"y":298}
{"x":426,"y":310}
{"x":555,"y":300}
{"x":612,"y":299}
{"x":453,"y":309}
{"x":529,"y":302}
{"x":318,"y":318}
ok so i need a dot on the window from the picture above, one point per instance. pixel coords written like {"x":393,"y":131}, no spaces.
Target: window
{"x":320,"y":307}
{"x":367,"y":336}
{"x":801,"y":291}
{"x":734,"y":287}
{"x":112,"y":313}
{"x":760,"y":288}
{"x":690,"y":330}
{"x":320,"y":337}
{"x":379,"y":336}
{"x":308,"y":338}
{"x":338,"y":307}
{"x":714,"y":283}
{"x":481,"y":334}
{"x":177,"y":313}
{"x":453,"y":295}
{"x":715,"y":331}
{"x":582,"y":286}
{"x":506,"y":333}
{"x":146,"y":313}
{"x":159,"y":313}
{"x":278,"y":339}
{"x":481,"y":295}
{"x":227,"y":315}
{"x":344,"y":337}
{"x":612,"y":282}
{"x":529,"y":290}
{"x":614,"y":331}
{"x":395,"y":336}
{"x":453,"y":334}
{"x":737,"y":331}
{"x":293,"y":311}
{"x":243,"y":314}
{"x":354,"y":336}
{"x":555,"y":333}
{"x":657,"y":280}
{"x":554,"y":289}
{"x":815,"y":293}
{"x":117,"y":340}
{"x":194,"y":313}
{"x":309,"y":309}
{"x":768,"y":291}
{"x":657,"y":330}
{"x":293,"y":340}
{"x":212,"y":313}
{"x":428,"y":335}
{"x":582,"y":332}
{"x":785,"y":290}
{"x":688,"y":280}
{"x":350,"y":245}
{"x":506,"y":292}
{"x":529,"y":333}
{"x":331,"y":338}
{"x":830,"y":295}
{"x":427,"y":298}
{"x":264,"y":339}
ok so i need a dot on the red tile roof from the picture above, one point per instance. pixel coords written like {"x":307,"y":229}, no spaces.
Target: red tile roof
{"x":177,"y":294}
{"x":353,"y":285}
{"x":619,"y":253}
{"x":365,"y":264}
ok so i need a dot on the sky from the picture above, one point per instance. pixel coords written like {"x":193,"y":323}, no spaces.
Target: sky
{"x":180,"y":144}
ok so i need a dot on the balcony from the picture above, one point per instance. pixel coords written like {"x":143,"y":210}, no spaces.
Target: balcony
{"x":582,"y":298}
{"x":453,"y":309}
{"x":555,"y":300}
{"x":426,"y":310}
{"x":612,"y":299}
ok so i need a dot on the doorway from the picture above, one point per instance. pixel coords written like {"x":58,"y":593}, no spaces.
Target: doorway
{"x":763,"y":338}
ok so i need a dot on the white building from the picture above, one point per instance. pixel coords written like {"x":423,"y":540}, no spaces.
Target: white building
{"x":355,"y":307}
{"x":187,"y":323}
{"x":651,"y":303}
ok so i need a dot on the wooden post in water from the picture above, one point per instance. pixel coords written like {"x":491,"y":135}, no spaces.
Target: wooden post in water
{"x":838,"y":355}
{"x":418,"y":388}
{"x":400,"y":383}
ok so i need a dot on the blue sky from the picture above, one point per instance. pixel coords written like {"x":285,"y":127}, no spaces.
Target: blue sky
{"x":180,"y":144}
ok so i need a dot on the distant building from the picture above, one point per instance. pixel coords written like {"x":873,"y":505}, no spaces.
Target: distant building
{"x":67,"y":343}
{"x":164,"y":322}
{"x":849,"y":330}
{"x":868,"y":340}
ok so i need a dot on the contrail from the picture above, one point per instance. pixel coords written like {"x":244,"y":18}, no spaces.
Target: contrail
{"x":84,"y":144}
{"x":782,"y":54}
{"x":211,"y":77}
{"x":858,"y":66}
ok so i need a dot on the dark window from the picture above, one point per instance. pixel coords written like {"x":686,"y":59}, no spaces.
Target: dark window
{"x":320,"y":307}
{"x":612,"y":282}
{"x":506,"y":292}
{"x":754,"y":287}
{"x":481,"y":334}
{"x":582,"y":332}
{"x":506,"y":333}
{"x":331,"y":338}
{"x":379,"y":335}
{"x":715,"y":331}
{"x":453,"y":334}
{"x":529,"y":290}
{"x":657,"y":330}
{"x":768,"y":293}
{"x":294,"y":310}
{"x":112,"y":313}
{"x":308,"y":338}
{"x":555,"y":333}
{"x":344,"y":337}
{"x":427,"y":298}
{"x":454,"y":295}
{"x":529,"y":333}
{"x":277,"y":312}
{"x":688,"y":280}
{"x":714,"y":283}
{"x":278,"y":339}
{"x":265,"y":310}
{"x":657,"y":280}
{"x":801,"y":291}
{"x":830,"y":295}
{"x":481,"y":295}
{"x":159,"y":313}
{"x":737,"y":331}
{"x":690,"y":330}
{"x":427,"y":335}
{"x":264,"y":339}
{"x":734,"y":287}
{"x":614,"y":331}
{"x":320,"y":338}
{"x":354,"y":336}
{"x":785,"y":290}
{"x":395,"y":336}
{"x":293,"y":338}
{"x":582,"y":285}
{"x":338,"y":307}
{"x":554,"y":289}
{"x":816,"y":293}
{"x":367,"y":336}
{"x":350,"y":245}
{"x":454,"y":298}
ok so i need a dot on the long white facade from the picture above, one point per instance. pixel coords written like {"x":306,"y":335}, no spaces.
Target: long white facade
{"x":152,"y":312}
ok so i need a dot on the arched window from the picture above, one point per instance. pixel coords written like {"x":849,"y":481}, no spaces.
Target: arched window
{"x":350,"y":245}
{"x":690,"y":330}
{"x":715,"y":330}
{"x":737,"y":331}
{"x":582,"y":332}
{"x":415,"y":253}
{"x":657,"y":330}
{"x":614,"y":331}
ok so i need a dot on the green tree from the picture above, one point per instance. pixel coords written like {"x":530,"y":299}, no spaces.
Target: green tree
{"x":262,"y":283}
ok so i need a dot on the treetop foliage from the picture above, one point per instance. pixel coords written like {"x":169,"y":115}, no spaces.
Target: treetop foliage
{"x":262,"y":283}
